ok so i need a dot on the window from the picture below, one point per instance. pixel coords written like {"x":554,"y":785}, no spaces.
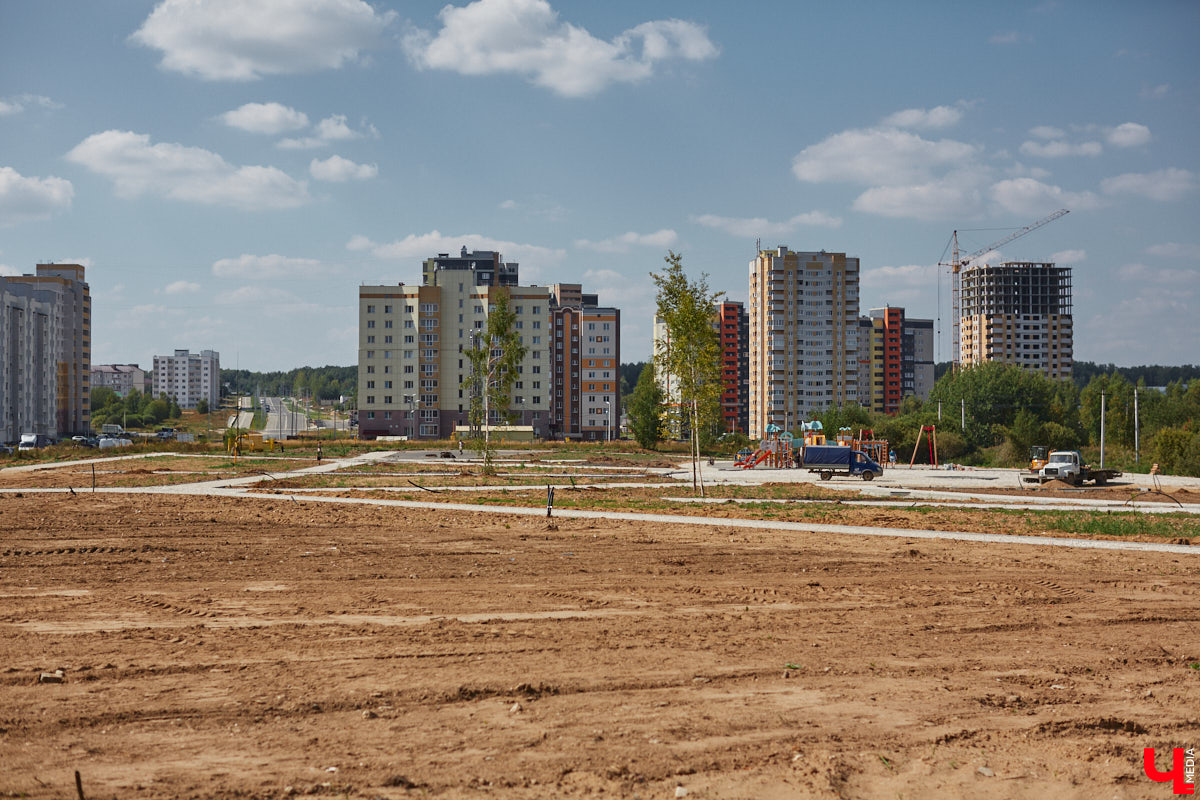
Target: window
{"x":387,"y":309}
{"x":370,"y":354}
{"x":370,"y":384}
{"x":387,"y":384}
{"x":387,"y":340}
{"x":370,"y":323}
{"x":408,"y":369}
{"x":370,"y":309}
{"x":408,"y":323}
{"x":370,"y":340}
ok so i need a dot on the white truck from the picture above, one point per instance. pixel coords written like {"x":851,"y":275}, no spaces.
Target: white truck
{"x":1068,"y":467}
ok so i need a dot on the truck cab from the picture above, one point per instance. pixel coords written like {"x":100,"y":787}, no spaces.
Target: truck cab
{"x":1062,"y":465}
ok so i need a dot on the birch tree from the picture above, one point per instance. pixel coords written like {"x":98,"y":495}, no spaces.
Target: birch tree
{"x":691,"y":353}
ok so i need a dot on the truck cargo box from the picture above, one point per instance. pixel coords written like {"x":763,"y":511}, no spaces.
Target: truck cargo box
{"x":825,"y":456}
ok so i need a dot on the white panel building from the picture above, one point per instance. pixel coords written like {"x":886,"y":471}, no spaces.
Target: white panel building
{"x":189,"y":378}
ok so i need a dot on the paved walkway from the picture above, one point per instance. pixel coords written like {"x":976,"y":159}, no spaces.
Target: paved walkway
{"x":237,"y":487}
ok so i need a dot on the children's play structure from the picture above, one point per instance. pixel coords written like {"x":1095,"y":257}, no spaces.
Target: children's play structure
{"x":779,"y":449}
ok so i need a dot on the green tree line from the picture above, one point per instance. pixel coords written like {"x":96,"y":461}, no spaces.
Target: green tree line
{"x":321,"y":383}
{"x":134,"y":410}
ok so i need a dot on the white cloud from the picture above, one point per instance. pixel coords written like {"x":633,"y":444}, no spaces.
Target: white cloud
{"x":760,"y":226}
{"x":939,"y":117}
{"x":1166,"y":184}
{"x":532,"y":258}
{"x":956,"y":194}
{"x":1143,"y":274}
{"x":1175,"y":250}
{"x":181,"y":287}
{"x":268,"y":118}
{"x":330,"y":129}
{"x":1047,"y":132}
{"x":338,"y":169}
{"x":622,"y":243}
{"x":241,"y":41}
{"x":17,"y":104}
{"x":25,"y":199}
{"x":1027,"y":197}
{"x":1128,"y":134}
{"x":1069,"y":257}
{"x":1059,"y":148}
{"x":270,"y":267}
{"x":1155,"y":92}
{"x":8,"y":272}
{"x":878,"y":156}
{"x":1133,"y":331}
{"x":184,"y":173}
{"x":1009,"y":37}
{"x":526,"y":37}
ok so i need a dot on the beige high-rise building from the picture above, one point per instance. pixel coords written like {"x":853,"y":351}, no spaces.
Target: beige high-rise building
{"x":46,"y":327}
{"x":413,"y":376}
{"x":188,"y":378}
{"x":803,"y":314}
{"x":1018,"y":313}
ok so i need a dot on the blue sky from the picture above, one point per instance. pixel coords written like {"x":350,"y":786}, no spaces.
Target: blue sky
{"x":230,"y":172}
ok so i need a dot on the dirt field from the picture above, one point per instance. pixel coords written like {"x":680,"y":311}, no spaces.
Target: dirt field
{"x":263,"y":647}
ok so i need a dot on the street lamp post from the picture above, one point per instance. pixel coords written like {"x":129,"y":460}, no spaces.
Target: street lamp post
{"x":607,"y":421}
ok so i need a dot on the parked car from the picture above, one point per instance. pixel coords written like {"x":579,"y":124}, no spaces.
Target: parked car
{"x":6,"y":450}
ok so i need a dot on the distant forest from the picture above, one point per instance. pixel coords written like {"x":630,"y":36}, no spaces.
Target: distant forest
{"x":328,"y":383}
{"x":1083,"y":372}
{"x":321,"y":383}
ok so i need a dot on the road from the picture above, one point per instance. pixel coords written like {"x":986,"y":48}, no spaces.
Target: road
{"x":282,"y":422}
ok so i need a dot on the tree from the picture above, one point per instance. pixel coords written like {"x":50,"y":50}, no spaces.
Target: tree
{"x":201,"y":406}
{"x":645,"y":409}
{"x":690,"y":354}
{"x":495,"y":356}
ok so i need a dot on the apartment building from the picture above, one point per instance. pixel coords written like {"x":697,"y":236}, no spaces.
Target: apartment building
{"x":587,"y":379}
{"x":189,"y":378}
{"x":413,"y":373}
{"x":803,"y":326}
{"x":895,"y":359}
{"x":45,"y":378}
{"x":28,"y":389}
{"x":1018,"y":313}
{"x":733,"y":328}
{"x":121,"y":378}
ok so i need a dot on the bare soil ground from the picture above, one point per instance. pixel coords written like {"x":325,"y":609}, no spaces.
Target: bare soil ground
{"x":261,"y":647}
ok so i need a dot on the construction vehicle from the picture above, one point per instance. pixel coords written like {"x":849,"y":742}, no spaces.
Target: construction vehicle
{"x":1067,"y":466}
{"x":1037,"y":457}
{"x":829,"y":460}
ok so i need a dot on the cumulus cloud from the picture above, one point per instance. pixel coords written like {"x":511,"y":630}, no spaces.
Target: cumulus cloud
{"x":1128,"y":134}
{"x":760,"y":226}
{"x":239,"y":41}
{"x":329,"y":130}
{"x":419,"y":246}
{"x":955,"y":193}
{"x":181,"y":287}
{"x":1059,"y":148}
{"x":1027,"y":197}
{"x":17,"y":104}
{"x":939,"y":117}
{"x":1069,"y":257}
{"x":1166,"y":184}
{"x":622,"y":243}
{"x":878,"y":156}
{"x":527,"y":38}
{"x":26,"y":199}
{"x":1164,"y":277}
{"x":268,"y":118}
{"x":340,"y":170}
{"x":1047,"y":132}
{"x":270,"y":267}
{"x":178,"y":172}
{"x":1175,"y":250}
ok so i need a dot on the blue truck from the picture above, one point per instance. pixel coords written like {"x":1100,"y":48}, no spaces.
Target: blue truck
{"x":828,"y":460}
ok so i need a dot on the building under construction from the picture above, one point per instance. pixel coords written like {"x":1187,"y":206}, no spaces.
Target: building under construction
{"x":1018,"y":313}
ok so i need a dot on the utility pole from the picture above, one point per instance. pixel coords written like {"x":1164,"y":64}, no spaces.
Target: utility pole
{"x":1102,"y":430}
{"x":964,"y":415}
{"x":1136,"y":443}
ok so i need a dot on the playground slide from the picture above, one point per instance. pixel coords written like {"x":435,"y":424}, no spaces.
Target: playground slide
{"x":755,"y":459}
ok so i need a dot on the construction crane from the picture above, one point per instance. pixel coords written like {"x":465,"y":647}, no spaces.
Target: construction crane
{"x":957,"y":263}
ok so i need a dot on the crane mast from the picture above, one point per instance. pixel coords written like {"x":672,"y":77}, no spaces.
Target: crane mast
{"x":957,"y":264}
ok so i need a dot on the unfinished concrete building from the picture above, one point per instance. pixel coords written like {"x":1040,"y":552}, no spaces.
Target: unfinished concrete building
{"x":1018,"y":313}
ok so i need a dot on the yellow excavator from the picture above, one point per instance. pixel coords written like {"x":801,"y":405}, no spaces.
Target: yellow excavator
{"x":1037,"y":457}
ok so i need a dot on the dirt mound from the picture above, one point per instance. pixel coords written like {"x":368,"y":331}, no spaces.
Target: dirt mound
{"x":1056,"y":484}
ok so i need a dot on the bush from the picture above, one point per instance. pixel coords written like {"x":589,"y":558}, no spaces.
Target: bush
{"x":1177,"y":451}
